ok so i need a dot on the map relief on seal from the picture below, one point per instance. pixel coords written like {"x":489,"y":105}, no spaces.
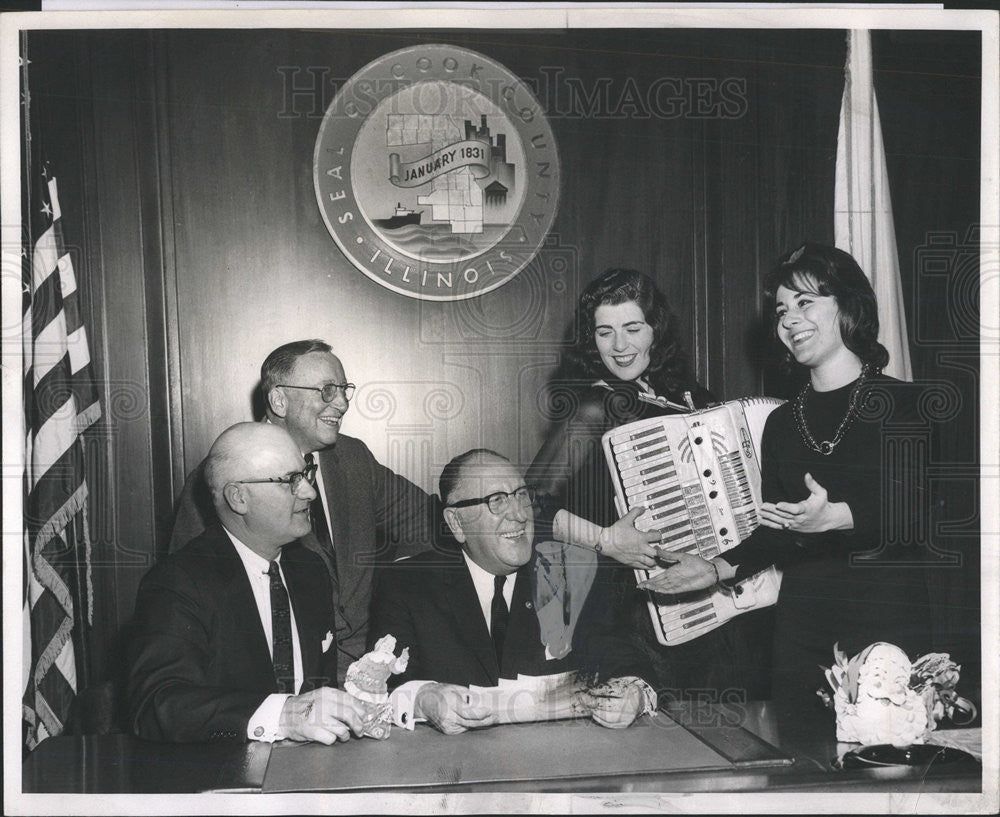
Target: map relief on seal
{"x":436,"y":173}
{"x":469,"y":174}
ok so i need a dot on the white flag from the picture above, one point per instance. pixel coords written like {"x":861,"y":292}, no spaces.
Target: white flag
{"x":862,"y":206}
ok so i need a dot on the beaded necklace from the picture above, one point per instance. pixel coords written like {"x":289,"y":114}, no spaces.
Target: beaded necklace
{"x":826,"y":447}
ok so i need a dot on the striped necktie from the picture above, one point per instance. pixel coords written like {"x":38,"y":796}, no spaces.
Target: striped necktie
{"x":281,"y":632}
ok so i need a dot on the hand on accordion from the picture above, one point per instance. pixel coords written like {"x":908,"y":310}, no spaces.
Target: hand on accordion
{"x":686,"y":574}
{"x":632,"y":547}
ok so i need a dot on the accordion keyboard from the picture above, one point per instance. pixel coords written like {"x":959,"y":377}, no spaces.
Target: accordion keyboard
{"x":698,"y":477}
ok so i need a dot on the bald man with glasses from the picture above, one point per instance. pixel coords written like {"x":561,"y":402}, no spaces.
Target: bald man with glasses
{"x":233,"y":635}
{"x":364,"y":514}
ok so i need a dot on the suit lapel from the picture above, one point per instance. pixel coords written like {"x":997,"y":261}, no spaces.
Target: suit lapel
{"x":469,"y":621}
{"x":235,"y":586}
{"x":337,"y":514}
{"x":307,"y":618}
{"x":523,"y":650}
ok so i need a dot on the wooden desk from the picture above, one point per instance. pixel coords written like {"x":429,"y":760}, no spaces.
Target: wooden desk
{"x":119,"y":763}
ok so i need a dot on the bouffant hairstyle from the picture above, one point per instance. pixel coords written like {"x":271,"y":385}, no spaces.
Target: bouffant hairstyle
{"x":668,"y":369}
{"x":828,"y":271}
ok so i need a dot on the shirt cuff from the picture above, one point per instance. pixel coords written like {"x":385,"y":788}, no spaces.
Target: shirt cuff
{"x":264,"y":723}
{"x":404,"y":699}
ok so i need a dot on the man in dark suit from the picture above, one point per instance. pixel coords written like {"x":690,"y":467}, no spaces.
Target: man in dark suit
{"x":365,"y":513}
{"x":467,"y":616}
{"x":232,"y":635}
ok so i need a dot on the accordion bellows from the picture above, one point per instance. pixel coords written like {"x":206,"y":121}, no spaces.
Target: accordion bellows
{"x":698,"y":476}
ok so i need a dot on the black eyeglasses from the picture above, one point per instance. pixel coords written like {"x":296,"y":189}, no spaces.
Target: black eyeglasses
{"x":293,"y":481}
{"x":327,"y":392}
{"x":498,"y":502}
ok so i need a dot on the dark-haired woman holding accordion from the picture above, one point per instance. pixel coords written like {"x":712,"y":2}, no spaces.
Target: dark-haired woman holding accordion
{"x":833,"y":483}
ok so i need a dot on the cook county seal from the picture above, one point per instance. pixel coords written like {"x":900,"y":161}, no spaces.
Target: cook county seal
{"x":436,"y":172}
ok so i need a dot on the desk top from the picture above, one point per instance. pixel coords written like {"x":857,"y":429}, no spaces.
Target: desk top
{"x":121,"y":763}
{"x":528,"y":753}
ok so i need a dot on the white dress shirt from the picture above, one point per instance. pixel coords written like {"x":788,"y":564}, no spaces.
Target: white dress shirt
{"x":404,"y":697}
{"x":483,"y":581}
{"x":322,"y":495}
{"x":264,"y":724}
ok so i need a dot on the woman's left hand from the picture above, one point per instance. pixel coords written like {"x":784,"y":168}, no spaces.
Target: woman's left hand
{"x":814,"y":514}
{"x":686,"y":574}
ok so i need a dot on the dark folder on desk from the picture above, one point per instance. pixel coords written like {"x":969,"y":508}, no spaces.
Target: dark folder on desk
{"x":518,"y":752}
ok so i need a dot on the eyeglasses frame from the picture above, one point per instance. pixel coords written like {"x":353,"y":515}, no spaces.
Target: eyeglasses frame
{"x":508,"y":496}
{"x":308,"y":474}
{"x":341,"y":387}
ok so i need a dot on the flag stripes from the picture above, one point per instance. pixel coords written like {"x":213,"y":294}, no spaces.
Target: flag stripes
{"x":60,"y":403}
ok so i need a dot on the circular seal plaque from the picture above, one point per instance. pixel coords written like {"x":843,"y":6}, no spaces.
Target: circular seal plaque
{"x":436,"y":172}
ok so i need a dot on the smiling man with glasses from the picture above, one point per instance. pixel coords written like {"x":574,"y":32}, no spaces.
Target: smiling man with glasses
{"x":363,"y":514}
{"x":232,"y":637}
{"x":467,"y":615}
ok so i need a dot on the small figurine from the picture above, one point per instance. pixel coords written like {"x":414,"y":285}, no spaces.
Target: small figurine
{"x":873,"y":700}
{"x":367,"y":680}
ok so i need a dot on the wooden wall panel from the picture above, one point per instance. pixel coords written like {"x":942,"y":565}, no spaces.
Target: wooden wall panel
{"x":121,"y":105}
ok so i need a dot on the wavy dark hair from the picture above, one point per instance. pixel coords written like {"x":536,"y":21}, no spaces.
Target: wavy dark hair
{"x":668,"y":368}
{"x":826,"y":270}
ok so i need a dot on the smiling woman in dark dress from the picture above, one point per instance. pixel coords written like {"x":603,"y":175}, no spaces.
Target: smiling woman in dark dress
{"x":627,"y":365}
{"x":832,"y":494}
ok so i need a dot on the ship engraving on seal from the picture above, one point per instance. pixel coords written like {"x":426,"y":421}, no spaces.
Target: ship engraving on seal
{"x":436,"y":172}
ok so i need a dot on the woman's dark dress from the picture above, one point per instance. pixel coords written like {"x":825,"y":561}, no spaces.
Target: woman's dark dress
{"x":570,"y":471}
{"x":828,"y":594}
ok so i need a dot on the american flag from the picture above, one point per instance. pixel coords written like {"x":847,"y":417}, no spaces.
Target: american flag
{"x":60,"y":403}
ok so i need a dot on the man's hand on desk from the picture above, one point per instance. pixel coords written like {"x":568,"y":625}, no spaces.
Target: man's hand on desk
{"x":324,"y":715}
{"x":615,"y":712}
{"x":445,"y":707}
{"x":618,"y":702}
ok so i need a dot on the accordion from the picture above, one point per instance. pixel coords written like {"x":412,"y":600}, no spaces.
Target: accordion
{"x":698,"y":476}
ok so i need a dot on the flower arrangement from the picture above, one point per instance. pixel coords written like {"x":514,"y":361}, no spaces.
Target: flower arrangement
{"x":880,"y":697}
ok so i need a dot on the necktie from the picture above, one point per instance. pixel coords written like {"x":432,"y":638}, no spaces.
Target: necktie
{"x":281,"y":633}
{"x":499,"y":615}
{"x":319,"y":526}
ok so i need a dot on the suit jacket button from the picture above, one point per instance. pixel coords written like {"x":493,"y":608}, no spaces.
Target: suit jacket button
{"x":258,"y":732}
{"x":528,"y":604}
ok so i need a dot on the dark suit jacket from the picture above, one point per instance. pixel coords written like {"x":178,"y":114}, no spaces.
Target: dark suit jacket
{"x":198,"y":661}
{"x":429,"y":604}
{"x":378,"y":516}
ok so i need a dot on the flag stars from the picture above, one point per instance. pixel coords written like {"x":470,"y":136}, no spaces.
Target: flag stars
{"x":47,"y":209}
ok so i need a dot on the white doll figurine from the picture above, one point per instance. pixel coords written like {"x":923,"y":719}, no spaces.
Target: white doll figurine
{"x":367,"y":680}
